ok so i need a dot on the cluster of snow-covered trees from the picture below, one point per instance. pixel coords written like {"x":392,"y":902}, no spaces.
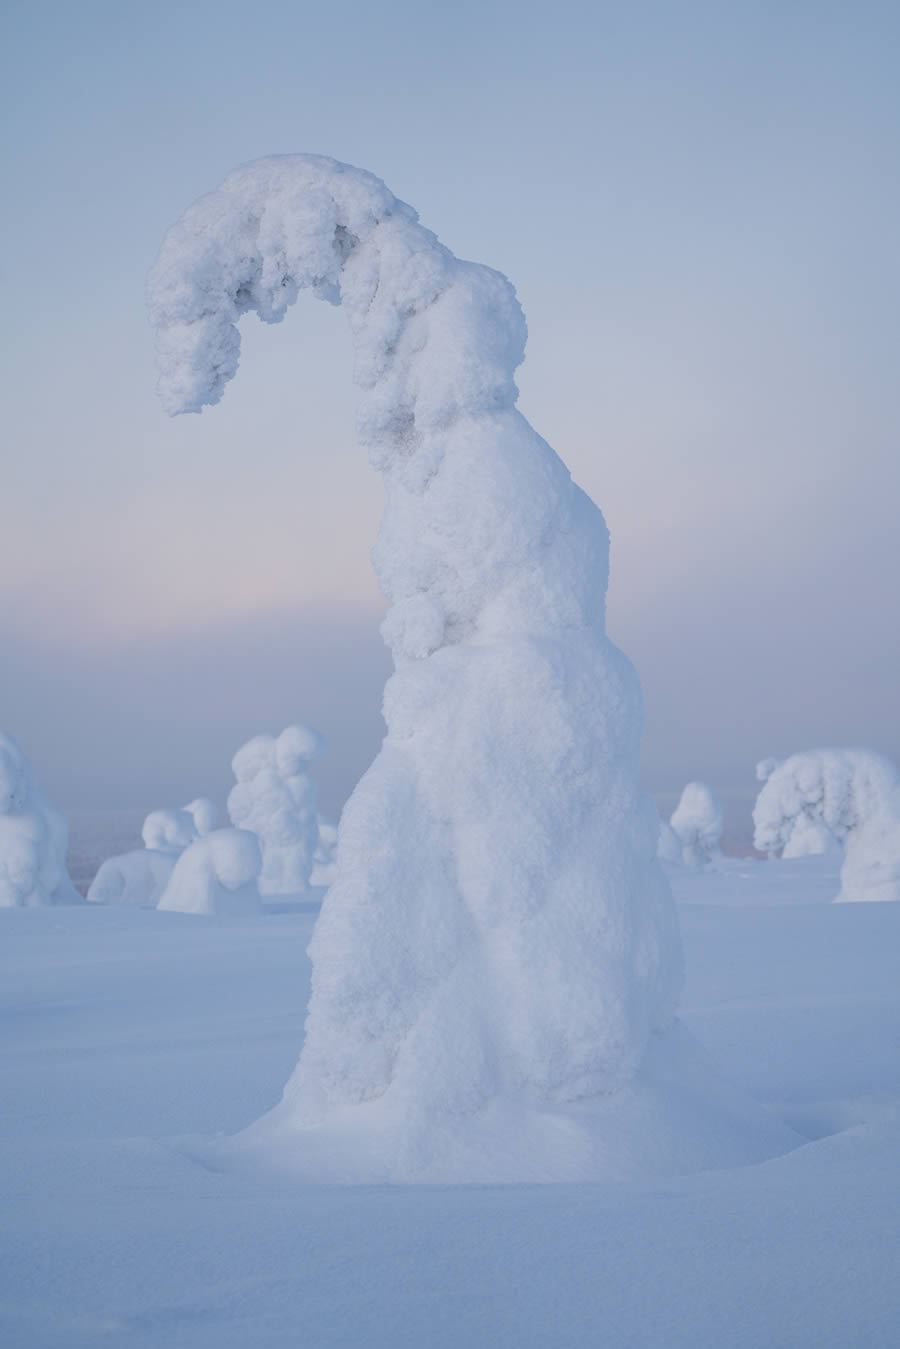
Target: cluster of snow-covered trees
{"x":851,"y":796}
{"x":278,"y":843}
{"x":839,"y":801}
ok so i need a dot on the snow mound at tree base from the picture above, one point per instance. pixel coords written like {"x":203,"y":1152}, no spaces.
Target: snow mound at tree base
{"x":679,"y":1117}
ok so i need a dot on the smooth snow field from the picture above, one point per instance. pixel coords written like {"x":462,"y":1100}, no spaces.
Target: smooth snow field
{"x":130,"y":1036}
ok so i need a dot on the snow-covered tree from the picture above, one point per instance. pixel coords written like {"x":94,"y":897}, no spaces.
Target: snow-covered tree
{"x":808,"y":835}
{"x":697,"y":822}
{"x":275,"y":798}
{"x":498,"y":954}
{"x":217,"y":873}
{"x":855,"y":795}
{"x":137,"y":879}
{"x":34,"y":837}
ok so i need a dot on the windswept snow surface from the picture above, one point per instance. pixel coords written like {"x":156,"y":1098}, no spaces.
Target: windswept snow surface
{"x":34,"y":837}
{"x":497,"y":956}
{"x":128,"y":1037}
{"x":854,"y":794}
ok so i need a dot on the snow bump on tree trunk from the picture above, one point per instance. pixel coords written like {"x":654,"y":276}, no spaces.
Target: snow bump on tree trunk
{"x":497,"y":963}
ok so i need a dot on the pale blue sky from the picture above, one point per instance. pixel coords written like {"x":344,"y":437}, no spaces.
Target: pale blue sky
{"x":698,"y":204}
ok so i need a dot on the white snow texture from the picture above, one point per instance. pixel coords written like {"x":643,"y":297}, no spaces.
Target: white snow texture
{"x":854,"y":795}
{"x":217,"y":873}
{"x":697,"y":823}
{"x":34,"y":837}
{"x":276,"y":798}
{"x":499,"y":946}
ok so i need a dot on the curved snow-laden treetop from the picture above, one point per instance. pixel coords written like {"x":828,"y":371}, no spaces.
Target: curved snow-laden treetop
{"x":437,"y":342}
{"x":855,"y":795}
{"x":499,"y":928}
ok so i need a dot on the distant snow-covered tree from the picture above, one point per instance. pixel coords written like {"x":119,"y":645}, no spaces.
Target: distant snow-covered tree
{"x":809,"y":835}
{"x":137,"y":879}
{"x":697,"y":822}
{"x":855,"y":795}
{"x":275,"y":798}
{"x":217,"y":873}
{"x":34,"y":837}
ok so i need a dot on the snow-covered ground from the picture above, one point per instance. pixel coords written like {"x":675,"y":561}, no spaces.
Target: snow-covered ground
{"x":126,"y":1032}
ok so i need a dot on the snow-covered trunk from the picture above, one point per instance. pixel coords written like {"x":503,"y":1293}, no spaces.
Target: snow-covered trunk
{"x":499,"y":927}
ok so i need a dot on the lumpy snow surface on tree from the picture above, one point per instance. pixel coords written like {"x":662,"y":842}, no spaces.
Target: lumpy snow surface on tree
{"x":498,"y":950}
{"x":854,"y":794}
{"x":275,"y":798}
{"x":216,"y":874}
{"x":34,"y":837}
{"x":697,"y":821}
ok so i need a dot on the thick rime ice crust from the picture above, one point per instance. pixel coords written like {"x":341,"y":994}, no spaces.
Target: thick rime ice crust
{"x":276,"y":798}
{"x":216,"y":874}
{"x":499,"y":925}
{"x":34,"y":837}
{"x":697,"y":823}
{"x":851,"y":794}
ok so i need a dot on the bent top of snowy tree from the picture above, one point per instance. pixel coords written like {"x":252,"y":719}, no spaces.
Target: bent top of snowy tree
{"x":499,"y":928}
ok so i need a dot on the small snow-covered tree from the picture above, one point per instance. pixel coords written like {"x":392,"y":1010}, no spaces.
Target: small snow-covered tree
{"x":217,"y":873}
{"x":855,"y":795}
{"x":697,"y":822}
{"x":499,"y":945}
{"x":34,"y":837}
{"x":275,"y":798}
{"x":137,"y":879}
